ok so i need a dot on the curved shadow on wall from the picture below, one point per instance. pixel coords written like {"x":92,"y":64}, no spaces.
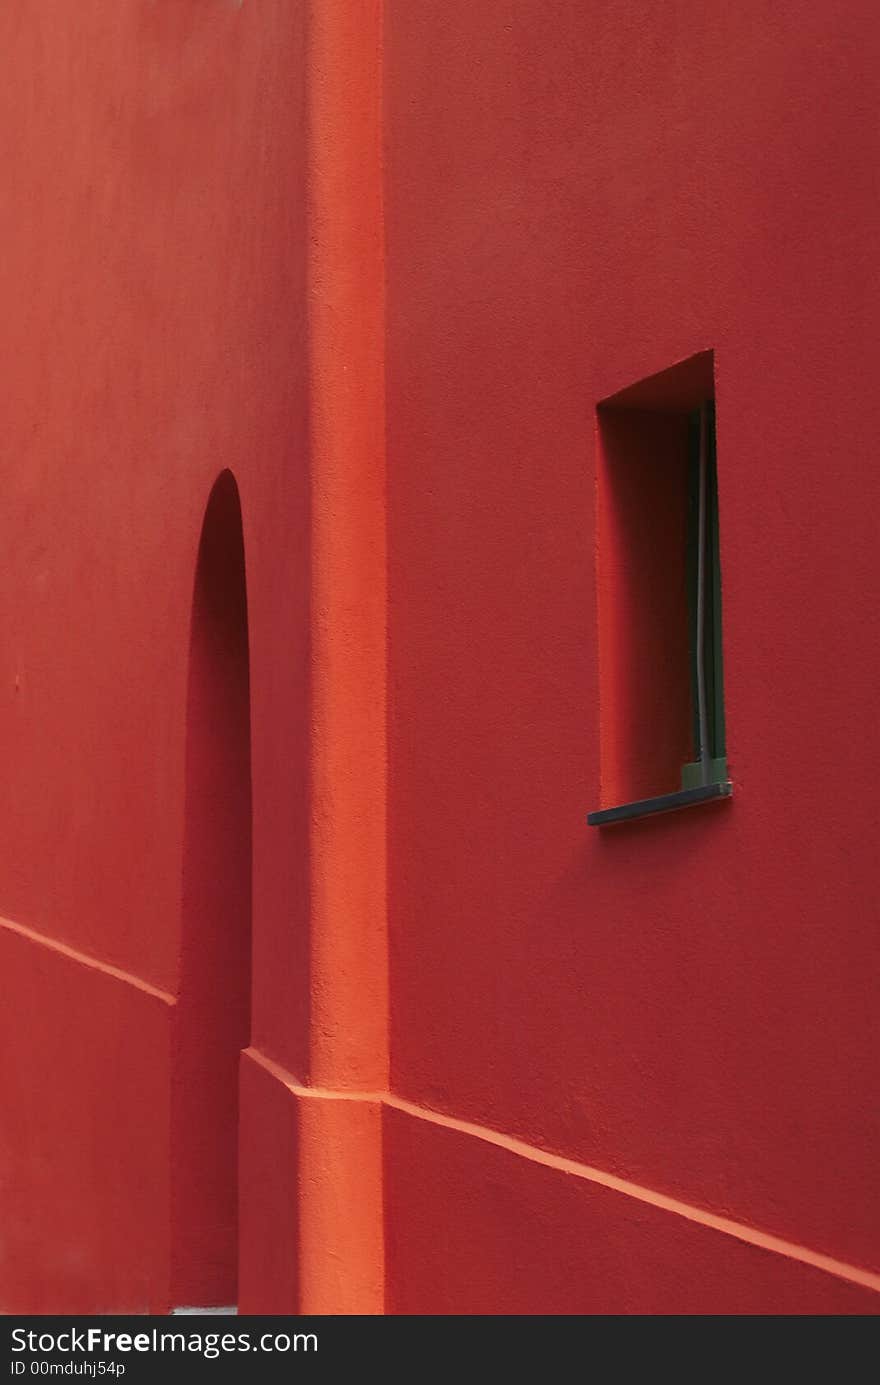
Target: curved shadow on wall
{"x":213,"y":1011}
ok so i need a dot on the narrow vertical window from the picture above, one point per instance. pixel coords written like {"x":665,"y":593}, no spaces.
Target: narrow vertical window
{"x":661,"y":685}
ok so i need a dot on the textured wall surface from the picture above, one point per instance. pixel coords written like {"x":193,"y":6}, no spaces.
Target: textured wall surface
{"x":381,"y":262}
{"x":153,"y":328}
{"x":579,"y":196}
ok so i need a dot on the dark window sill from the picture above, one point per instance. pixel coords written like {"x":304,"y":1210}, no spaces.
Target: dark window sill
{"x":666,"y":803}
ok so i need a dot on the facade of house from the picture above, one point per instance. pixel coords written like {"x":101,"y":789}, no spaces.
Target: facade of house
{"x":349,"y":350}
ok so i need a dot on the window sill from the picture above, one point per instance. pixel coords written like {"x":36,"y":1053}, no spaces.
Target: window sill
{"x":666,"y":803}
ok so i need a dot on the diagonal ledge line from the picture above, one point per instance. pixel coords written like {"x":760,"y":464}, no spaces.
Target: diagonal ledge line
{"x":84,"y":960}
{"x":763,"y":1240}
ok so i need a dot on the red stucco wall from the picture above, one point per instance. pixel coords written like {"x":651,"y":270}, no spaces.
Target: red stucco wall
{"x":580,"y":196}
{"x":153,"y":328}
{"x":382,"y":262}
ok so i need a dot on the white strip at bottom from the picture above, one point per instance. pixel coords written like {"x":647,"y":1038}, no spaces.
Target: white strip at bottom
{"x":214,"y":1312}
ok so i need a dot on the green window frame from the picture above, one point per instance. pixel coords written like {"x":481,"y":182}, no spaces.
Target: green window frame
{"x":703,"y":575}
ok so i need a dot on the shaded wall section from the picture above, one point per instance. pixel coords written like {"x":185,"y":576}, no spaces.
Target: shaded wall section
{"x":153,"y":326}
{"x":212,"y":1025}
{"x":85,"y":1068}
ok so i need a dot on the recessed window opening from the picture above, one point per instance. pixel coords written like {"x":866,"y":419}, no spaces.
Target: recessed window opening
{"x":662,"y":726}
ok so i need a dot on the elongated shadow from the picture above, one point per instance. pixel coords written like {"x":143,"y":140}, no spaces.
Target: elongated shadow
{"x":213,"y":1012}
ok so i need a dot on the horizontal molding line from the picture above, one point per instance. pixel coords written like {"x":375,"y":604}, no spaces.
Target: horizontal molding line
{"x":725,"y":1225}
{"x":84,"y":960}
